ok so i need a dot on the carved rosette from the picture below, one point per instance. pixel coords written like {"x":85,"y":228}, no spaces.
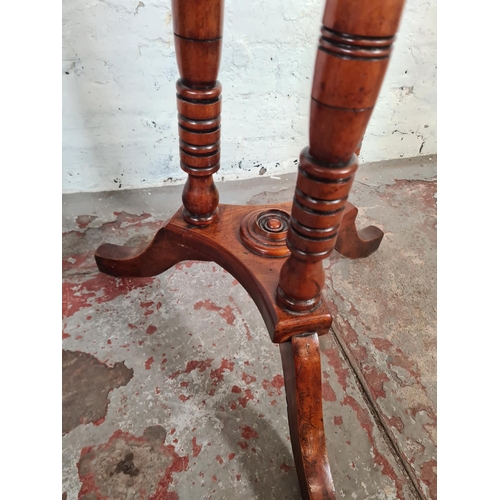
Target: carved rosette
{"x":264,"y":232}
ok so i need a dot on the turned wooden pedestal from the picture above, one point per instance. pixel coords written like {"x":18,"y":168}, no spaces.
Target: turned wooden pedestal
{"x":276,"y":251}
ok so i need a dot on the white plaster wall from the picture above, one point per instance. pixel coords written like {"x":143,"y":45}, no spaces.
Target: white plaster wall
{"x":119,"y":73}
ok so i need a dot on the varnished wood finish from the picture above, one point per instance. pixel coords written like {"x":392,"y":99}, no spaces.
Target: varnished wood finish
{"x":221,"y":243}
{"x":264,"y":232}
{"x":301,"y":361}
{"x":356,"y":244}
{"x":353,"y":54}
{"x":198,"y":44}
{"x":285,"y":283}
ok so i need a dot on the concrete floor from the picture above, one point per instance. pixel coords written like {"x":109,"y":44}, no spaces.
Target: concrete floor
{"x":173,"y":390}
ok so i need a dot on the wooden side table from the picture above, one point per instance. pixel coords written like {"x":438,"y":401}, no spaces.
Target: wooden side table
{"x":276,"y":251}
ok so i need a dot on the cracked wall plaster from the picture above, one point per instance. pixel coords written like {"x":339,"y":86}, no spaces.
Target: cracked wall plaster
{"x":119,"y":73}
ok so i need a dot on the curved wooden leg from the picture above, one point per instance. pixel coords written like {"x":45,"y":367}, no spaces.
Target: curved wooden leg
{"x":356,"y":244}
{"x":146,"y":260}
{"x":302,"y":369}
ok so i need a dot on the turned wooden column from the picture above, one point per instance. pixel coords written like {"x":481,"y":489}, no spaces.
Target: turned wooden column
{"x":198,"y":43}
{"x":284,"y":280}
{"x":353,"y":54}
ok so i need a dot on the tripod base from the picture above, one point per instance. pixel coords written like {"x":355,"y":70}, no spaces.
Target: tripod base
{"x":249,"y":242}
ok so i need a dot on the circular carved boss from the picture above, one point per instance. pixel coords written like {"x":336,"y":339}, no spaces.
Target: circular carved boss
{"x":264,"y":232}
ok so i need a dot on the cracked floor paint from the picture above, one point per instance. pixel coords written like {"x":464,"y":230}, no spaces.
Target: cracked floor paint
{"x":388,"y":331}
{"x":207,"y":397}
{"x":85,"y":388}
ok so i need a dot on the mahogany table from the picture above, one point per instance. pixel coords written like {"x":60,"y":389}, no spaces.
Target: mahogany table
{"x":276,"y":251}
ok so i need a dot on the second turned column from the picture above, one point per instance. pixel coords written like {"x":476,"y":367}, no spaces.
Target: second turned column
{"x":352,"y":58}
{"x":198,"y":43}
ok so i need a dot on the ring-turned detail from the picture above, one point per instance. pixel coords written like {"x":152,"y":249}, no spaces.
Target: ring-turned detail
{"x":264,"y":232}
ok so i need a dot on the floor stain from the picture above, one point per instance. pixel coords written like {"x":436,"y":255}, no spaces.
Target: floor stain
{"x":86,"y":385}
{"x":131,"y":467}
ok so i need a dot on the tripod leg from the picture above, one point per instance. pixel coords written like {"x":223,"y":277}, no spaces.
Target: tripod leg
{"x":301,"y":361}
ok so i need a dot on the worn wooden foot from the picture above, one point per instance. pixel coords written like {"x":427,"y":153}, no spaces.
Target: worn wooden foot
{"x":356,"y":244}
{"x":146,"y":260}
{"x":301,"y":361}
{"x":247,"y":241}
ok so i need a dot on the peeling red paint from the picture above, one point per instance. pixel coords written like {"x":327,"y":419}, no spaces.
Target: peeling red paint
{"x":151,"y":329}
{"x":248,"y":379}
{"x":77,"y":261}
{"x":184,"y":398}
{"x":417,"y":408}
{"x":83,"y":221}
{"x":179,"y":464}
{"x":206,"y":304}
{"x":327,"y":391}
{"x":219,"y":459}
{"x":337,"y":420}
{"x":235,"y":389}
{"x":91,"y":475}
{"x":86,"y":386}
{"x":244,"y":400}
{"x":224,"y":312}
{"x":192,"y":365}
{"x":196,"y":447}
{"x":277,"y":383}
{"x":126,"y":218}
{"x":99,"y":422}
{"x":245,"y":325}
{"x":375,"y":380}
{"x":396,"y":422}
{"x":97,"y":290}
{"x":286,"y":468}
{"x":367,"y":424}
{"x":248,"y":432}
{"x":66,"y":335}
{"x":243,"y":445}
{"x":148,"y":363}
{"x":186,"y":264}
{"x":334,"y":360}
{"x":231,"y":456}
{"x":428,"y":474}
{"x":228,"y":315}
{"x":217,"y":375}
{"x":247,"y":332}
{"x":396,"y":357}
